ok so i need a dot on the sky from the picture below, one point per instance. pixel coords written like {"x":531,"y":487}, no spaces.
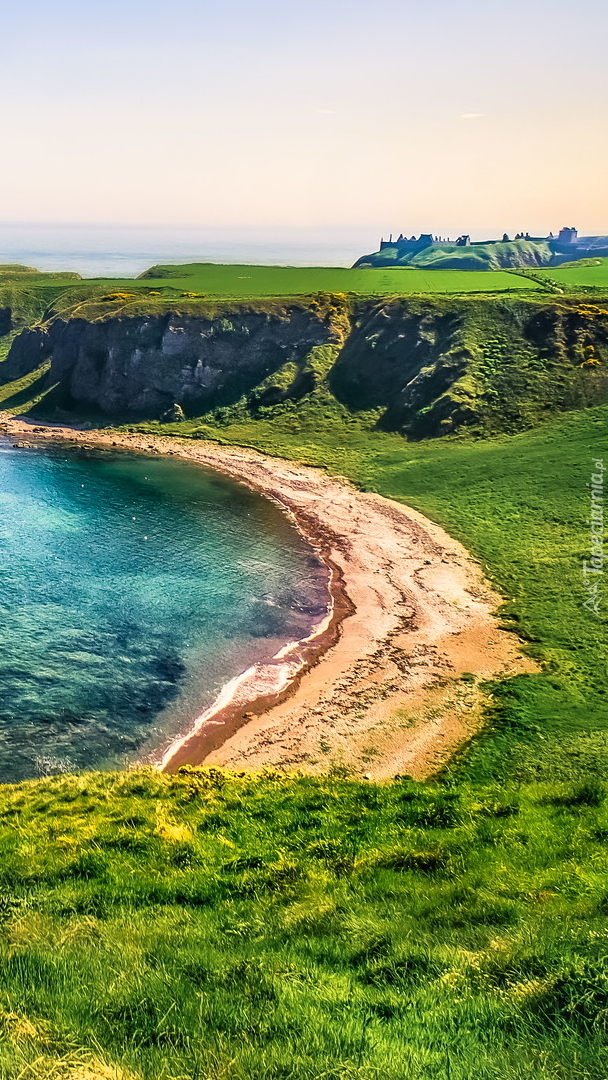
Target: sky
{"x":445,"y":116}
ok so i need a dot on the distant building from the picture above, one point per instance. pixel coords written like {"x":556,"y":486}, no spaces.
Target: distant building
{"x":567,"y":236}
{"x":411,"y":245}
{"x":403,"y":244}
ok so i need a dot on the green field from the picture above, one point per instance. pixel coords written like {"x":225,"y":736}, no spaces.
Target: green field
{"x":211,"y":279}
{"x":226,"y":281}
{"x":203,"y":926}
{"x":590,"y":273}
{"x":247,"y":281}
{"x":37,"y":293}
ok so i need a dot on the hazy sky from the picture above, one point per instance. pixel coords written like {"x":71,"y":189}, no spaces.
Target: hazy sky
{"x":442,"y":115}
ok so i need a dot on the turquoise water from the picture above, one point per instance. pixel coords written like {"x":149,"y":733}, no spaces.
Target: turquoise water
{"x":131,"y":590}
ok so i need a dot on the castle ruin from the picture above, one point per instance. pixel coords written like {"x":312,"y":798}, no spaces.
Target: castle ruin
{"x":413,"y":245}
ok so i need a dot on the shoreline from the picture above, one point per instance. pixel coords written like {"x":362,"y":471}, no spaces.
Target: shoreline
{"x":376,"y":687}
{"x":258,"y":689}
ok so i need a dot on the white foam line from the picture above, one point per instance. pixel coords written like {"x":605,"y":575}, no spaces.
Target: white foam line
{"x":317,"y":630}
{"x":257,"y":675}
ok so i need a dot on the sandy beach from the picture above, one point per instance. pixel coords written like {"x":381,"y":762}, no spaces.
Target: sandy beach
{"x":378,"y":687}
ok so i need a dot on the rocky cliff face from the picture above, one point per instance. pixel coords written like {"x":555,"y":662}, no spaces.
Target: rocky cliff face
{"x":493,"y":364}
{"x":144,"y":365}
{"x":422,"y":366}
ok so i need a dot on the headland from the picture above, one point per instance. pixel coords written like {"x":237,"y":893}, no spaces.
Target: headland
{"x":433,"y":252}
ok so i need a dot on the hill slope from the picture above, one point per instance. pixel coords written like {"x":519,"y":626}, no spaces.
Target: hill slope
{"x":514,"y":254}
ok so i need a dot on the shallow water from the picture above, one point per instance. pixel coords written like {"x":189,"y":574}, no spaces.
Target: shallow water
{"x":131,"y":590}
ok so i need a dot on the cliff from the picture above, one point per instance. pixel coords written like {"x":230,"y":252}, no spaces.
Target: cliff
{"x":418,"y":365}
{"x":491,"y":365}
{"x":143,"y":365}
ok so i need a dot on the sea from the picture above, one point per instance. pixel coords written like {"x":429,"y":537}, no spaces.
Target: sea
{"x":132,"y":589}
{"x":127,"y":250}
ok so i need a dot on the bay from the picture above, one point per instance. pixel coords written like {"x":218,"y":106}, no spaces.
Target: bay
{"x":131,"y":589}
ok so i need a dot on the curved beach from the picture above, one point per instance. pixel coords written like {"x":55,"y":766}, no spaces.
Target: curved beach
{"x":377,"y":687}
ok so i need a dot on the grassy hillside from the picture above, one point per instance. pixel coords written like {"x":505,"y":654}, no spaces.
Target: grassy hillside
{"x":484,"y":364}
{"x":202,"y":926}
{"x":590,"y":273}
{"x":494,"y":256}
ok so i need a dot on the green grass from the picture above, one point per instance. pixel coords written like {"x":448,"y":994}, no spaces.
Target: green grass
{"x":249,"y":281}
{"x":226,"y":281}
{"x":590,"y":273}
{"x":206,"y":926}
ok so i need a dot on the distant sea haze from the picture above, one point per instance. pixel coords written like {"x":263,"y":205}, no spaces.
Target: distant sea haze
{"x":128,"y":250}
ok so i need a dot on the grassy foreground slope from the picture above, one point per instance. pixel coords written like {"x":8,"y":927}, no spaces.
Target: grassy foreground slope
{"x":198,"y":926}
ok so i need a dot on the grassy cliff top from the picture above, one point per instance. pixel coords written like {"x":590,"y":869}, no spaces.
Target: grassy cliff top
{"x":198,"y":286}
{"x":209,"y":289}
{"x":210,"y":278}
